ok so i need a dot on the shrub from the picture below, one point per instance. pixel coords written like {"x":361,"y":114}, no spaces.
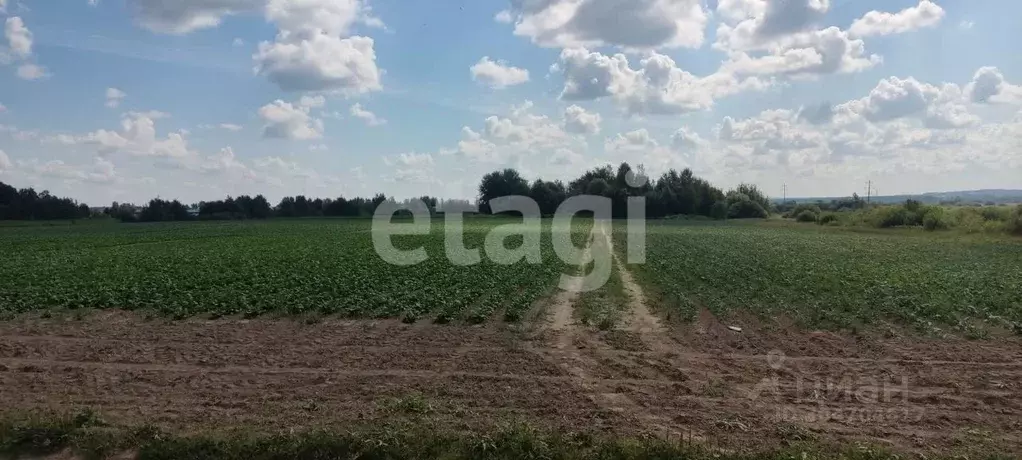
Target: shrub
{"x":889,"y":216}
{"x":740,"y":206}
{"x":806,"y":216}
{"x":799,"y":209}
{"x":828,"y":218}
{"x":998,"y":213}
{"x":968,"y":220}
{"x":1014,"y":225}
{"x":933,"y":219}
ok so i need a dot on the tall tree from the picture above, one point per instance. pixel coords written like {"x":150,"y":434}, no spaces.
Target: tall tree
{"x":496,"y":184}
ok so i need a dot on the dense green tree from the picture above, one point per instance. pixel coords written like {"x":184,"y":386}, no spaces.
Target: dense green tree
{"x":506,"y":182}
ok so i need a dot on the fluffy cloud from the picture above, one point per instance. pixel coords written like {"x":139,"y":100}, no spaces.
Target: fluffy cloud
{"x":686,"y":140}
{"x":311,"y":51}
{"x":320,"y":62}
{"x":940,"y":107}
{"x":925,"y":14}
{"x":988,"y":85}
{"x":658,"y":86}
{"x":498,"y":74}
{"x":114,"y":97}
{"x":184,"y":16}
{"x":901,"y":125}
{"x":627,"y":24}
{"x":333,"y":17}
{"x":818,"y":52}
{"x":516,"y":135}
{"x":578,"y":120}
{"x":760,"y":21}
{"x":19,"y":38}
{"x":289,"y":121}
{"x":137,"y":136}
{"x":370,"y":118}
{"x":771,"y":129}
{"x":19,"y":48}
{"x":764,"y":38}
{"x":30,"y":71}
{"x":632,"y":140}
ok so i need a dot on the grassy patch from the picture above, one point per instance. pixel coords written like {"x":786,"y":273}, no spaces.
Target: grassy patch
{"x":85,"y":436}
{"x":605,"y":307}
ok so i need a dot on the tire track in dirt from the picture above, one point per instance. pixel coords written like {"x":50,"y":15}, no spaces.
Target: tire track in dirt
{"x":640,"y":320}
{"x":580,"y":364}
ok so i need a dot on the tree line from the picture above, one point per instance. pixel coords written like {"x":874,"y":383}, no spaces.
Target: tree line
{"x":674,"y":193}
{"x":27,"y":204}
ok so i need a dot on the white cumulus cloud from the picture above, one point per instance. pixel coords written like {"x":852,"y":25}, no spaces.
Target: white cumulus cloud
{"x":925,"y":14}
{"x":498,"y":74}
{"x":626,"y":24}
{"x":658,"y":86}
{"x":114,"y":97}
{"x":289,"y":121}
{"x":578,"y":120}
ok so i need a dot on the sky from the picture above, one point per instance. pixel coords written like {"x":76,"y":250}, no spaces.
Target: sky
{"x":126,"y":100}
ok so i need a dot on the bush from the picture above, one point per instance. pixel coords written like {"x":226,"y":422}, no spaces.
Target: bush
{"x":997,"y":213}
{"x":799,"y":209}
{"x":1014,"y":225}
{"x":806,"y":216}
{"x":933,"y":219}
{"x":828,"y":218}
{"x":889,"y":216}
{"x":740,"y":206}
{"x":968,"y":220}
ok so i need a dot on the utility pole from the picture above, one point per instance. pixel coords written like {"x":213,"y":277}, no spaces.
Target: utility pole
{"x":869,"y":190}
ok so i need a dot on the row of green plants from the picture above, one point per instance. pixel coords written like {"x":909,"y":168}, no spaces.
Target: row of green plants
{"x":970,"y":219}
{"x":837,"y":280}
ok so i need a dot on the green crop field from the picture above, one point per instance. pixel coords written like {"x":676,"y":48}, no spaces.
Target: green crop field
{"x":834,"y":278}
{"x":289,"y":266}
{"x":820,"y":277}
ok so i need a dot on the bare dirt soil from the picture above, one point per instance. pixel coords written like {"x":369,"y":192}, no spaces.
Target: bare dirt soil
{"x":755,"y":389}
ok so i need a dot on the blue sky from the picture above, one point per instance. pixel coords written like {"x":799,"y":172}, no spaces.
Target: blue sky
{"x":196,"y":99}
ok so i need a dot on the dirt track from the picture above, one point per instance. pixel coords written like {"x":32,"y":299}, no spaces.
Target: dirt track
{"x":758,"y":388}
